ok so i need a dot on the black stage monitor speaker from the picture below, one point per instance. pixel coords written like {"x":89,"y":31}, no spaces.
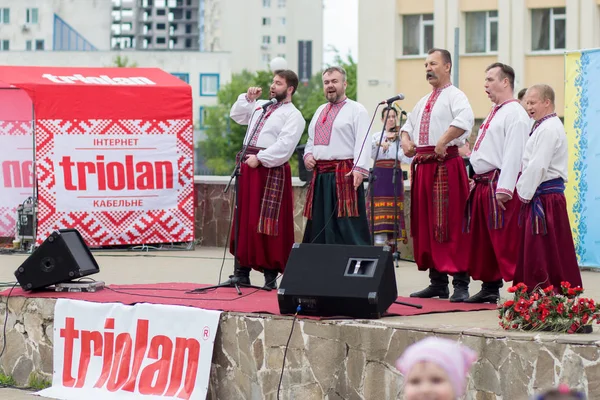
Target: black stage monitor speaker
{"x":338,"y":280}
{"x":62,"y":257}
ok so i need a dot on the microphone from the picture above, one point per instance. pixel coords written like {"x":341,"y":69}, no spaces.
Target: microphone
{"x":399,"y":96}
{"x":267,"y":104}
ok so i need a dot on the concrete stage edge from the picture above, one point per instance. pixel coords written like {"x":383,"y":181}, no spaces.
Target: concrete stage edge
{"x":347,"y":359}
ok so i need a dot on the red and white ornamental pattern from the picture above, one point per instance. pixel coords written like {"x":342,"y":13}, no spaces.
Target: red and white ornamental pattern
{"x":137,"y":225}
{"x":16,"y":141}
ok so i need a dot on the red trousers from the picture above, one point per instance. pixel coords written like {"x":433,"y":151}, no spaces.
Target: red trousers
{"x":492,"y":252}
{"x":548,"y":259}
{"x":257,"y":250}
{"x":450,"y":256}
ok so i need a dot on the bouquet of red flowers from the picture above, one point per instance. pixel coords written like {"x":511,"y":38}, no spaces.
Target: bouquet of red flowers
{"x":545,"y":310}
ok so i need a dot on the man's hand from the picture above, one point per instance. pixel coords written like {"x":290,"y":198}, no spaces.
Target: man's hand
{"x":253,"y":93}
{"x":252,"y":161}
{"x":310,"y":162}
{"x":502,"y":198}
{"x":471,"y":185}
{"x":358,"y":178}
{"x":408,"y":148}
{"x":440,"y":149}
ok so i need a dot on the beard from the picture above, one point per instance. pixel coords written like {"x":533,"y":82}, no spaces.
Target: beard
{"x":333,"y":97}
{"x":281,"y":96}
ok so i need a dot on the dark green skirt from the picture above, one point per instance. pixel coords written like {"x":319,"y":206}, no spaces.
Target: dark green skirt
{"x":326,"y":227}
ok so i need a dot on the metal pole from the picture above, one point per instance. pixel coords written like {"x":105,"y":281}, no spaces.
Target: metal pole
{"x":456,"y":55}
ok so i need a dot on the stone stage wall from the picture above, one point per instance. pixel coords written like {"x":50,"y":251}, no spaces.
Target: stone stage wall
{"x":335,"y":360}
{"x":213,"y":212}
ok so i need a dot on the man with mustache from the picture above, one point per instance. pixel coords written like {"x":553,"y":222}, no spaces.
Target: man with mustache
{"x":336,"y":151}
{"x":547,"y":255}
{"x":438,"y":125}
{"x":266,"y":208}
{"x":493,"y":209}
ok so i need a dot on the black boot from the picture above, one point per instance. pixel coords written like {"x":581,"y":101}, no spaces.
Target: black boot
{"x":438,"y":286}
{"x":241,"y":276}
{"x":461,"y":287}
{"x":490,"y":293}
{"x":270,"y":278}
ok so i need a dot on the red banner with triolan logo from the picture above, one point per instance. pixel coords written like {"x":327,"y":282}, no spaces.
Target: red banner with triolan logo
{"x":147,"y":351}
{"x":114,"y":152}
{"x":16,"y":156}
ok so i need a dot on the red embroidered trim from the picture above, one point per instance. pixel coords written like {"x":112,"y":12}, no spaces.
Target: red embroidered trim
{"x":324,"y":124}
{"x":488,"y":121}
{"x":426,"y":117}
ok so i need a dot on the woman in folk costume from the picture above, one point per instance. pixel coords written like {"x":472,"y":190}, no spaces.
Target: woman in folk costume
{"x":386,"y":151}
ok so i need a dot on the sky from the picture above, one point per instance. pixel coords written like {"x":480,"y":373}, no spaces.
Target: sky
{"x":340,"y":28}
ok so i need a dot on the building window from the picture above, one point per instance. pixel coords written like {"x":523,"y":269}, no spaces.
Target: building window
{"x":202,"y":117}
{"x":266,"y":3}
{"x":4,"y":45}
{"x":481,"y":32}
{"x":31,"y":15}
{"x":161,"y":40}
{"x":417,"y":34}
{"x":266,"y":57}
{"x":188,"y":28}
{"x":266,"y":21}
{"x":548,"y":29}
{"x":188,"y":43}
{"x":4,"y":15}
{"x":182,"y":75}
{"x":266,"y":39}
{"x":161,"y":27}
{"x":281,"y":39}
{"x":282,"y":20}
{"x":281,"y":4}
{"x":281,"y":55}
{"x":161,"y":12}
{"x":160,"y":3}
{"x":28,"y":45}
{"x":39,"y":44}
{"x":209,"y":84}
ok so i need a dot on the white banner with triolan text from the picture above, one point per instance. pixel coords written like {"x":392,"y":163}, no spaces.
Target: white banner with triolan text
{"x":105,"y":351}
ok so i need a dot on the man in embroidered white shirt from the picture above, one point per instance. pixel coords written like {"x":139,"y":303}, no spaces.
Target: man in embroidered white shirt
{"x":493,"y":208}
{"x":337,"y":152}
{"x":438,"y":125}
{"x":266,"y":208}
{"x":547,"y":256}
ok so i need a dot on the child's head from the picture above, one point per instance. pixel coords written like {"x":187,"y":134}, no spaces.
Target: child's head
{"x":562,"y":393}
{"x":437,"y":367}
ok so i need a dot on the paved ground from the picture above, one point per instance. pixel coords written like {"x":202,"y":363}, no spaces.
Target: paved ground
{"x":203,"y":264}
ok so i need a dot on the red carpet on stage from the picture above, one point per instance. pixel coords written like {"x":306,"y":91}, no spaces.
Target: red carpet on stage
{"x":226,"y":299}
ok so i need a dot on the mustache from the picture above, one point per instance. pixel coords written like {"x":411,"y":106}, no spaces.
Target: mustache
{"x":430,"y":75}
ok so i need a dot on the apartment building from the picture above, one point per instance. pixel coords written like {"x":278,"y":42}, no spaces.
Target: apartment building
{"x":256,"y":31}
{"x":530,"y":35}
{"x":155,"y":24}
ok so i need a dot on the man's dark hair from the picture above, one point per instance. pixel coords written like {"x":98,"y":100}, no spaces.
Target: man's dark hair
{"x":445,"y":55}
{"x":506,"y":71}
{"x":522,"y":94}
{"x":291,"y":79}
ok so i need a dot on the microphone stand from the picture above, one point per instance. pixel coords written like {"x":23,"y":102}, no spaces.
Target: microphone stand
{"x":237,"y":173}
{"x":394,"y":177}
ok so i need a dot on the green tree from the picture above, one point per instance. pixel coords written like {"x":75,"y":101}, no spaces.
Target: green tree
{"x":224,"y":137}
{"x":123,"y":62}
